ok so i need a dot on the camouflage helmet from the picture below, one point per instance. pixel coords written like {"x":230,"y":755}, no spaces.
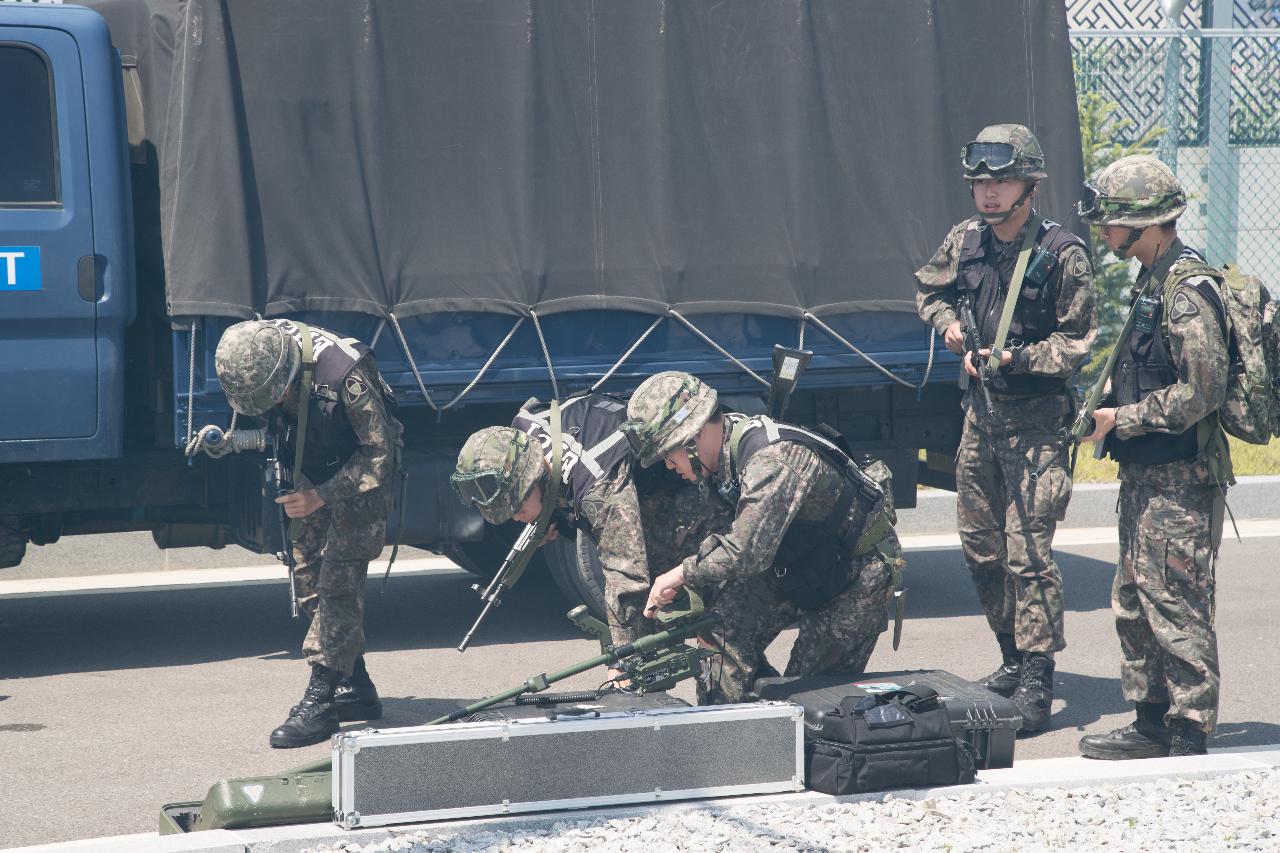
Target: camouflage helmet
{"x":1003,"y":151}
{"x":666,"y":412}
{"x":497,"y":468}
{"x":1136,"y":191}
{"x":256,"y":361}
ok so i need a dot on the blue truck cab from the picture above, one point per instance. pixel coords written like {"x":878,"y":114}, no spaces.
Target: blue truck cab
{"x":66,"y":255}
{"x":503,"y":204}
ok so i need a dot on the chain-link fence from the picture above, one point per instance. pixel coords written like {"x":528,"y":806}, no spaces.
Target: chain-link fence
{"x":1208,"y":101}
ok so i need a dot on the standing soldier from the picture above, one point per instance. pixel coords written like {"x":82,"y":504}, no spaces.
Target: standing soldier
{"x":350,"y":445}
{"x":1026,"y":285}
{"x":505,"y":473}
{"x":1174,"y":465}
{"x":812,"y":537}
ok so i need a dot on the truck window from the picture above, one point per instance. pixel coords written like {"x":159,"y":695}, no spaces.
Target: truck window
{"x":28,"y":166}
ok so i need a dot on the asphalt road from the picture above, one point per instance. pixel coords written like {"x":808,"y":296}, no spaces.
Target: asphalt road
{"x":113,"y":704}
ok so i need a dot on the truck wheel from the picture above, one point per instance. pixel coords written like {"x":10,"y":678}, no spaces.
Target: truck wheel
{"x":575,"y":567}
{"x":13,"y":543}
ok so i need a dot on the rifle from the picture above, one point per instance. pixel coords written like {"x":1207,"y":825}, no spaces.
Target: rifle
{"x":973,"y":345}
{"x":530,"y":539}
{"x":283,"y":486}
{"x":655,"y":662}
{"x":505,"y":578}
{"x":1083,"y":424}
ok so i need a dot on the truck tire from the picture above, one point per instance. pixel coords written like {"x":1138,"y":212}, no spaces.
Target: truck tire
{"x":13,"y":543}
{"x":575,"y":567}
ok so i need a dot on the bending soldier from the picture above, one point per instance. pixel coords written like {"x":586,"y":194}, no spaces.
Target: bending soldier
{"x":1041,"y":327}
{"x":812,"y":537}
{"x":505,"y":471}
{"x":1174,"y":465}
{"x":341,"y":497}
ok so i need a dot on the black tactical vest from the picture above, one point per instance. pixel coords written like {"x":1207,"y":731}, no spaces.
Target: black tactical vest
{"x":1035,"y":314}
{"x":591,"y":444}
{"x":812,"y":564}
{"x":330,"y":439}
{"x":1146,"y":363}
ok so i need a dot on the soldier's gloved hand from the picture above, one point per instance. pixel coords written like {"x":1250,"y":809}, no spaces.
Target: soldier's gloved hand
{"x":953,"y":338}
{"x":664,"y":590}
{"x":301,"y":504}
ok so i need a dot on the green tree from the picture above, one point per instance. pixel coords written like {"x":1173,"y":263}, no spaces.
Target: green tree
{"x":1102,"y":130}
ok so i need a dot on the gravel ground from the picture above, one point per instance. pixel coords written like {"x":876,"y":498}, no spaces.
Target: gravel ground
{"x":1233,"y":812}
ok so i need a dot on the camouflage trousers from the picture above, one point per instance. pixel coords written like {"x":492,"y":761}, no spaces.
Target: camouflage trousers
{"x":332,"y":551}
{"x":836,"y":639}
{"x":1163,"y":596}
{"x":1007,"y":520}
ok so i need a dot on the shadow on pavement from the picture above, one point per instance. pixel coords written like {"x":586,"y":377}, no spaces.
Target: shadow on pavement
{"x":132,"y":630}
{"x":1244,"y":734}
{"x":1086,"y":699}
{"x":940,"y":584}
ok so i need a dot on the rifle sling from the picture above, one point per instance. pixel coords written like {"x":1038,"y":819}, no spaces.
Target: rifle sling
{"x":304,"y":407}
{"x":1015,"y":288}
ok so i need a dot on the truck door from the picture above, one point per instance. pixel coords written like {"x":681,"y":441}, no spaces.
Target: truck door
{"x":48,"y":285}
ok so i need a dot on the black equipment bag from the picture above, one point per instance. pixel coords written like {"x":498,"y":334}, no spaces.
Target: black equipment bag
{"x":897,"y":739}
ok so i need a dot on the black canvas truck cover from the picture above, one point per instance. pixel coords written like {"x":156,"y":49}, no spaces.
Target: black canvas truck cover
{"x":753,"y":156}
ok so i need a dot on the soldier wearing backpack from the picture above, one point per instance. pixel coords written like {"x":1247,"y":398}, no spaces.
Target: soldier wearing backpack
{"x":1165,"y":429}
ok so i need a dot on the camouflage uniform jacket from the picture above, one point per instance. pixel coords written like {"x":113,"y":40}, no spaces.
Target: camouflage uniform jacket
{"x":1077,"y":320}
{"x":375,"y":462}
{"x":781,"y":483}
{"x":1195,"y":344}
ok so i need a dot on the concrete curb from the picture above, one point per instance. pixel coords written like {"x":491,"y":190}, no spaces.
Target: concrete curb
{"x":1042,"y":773}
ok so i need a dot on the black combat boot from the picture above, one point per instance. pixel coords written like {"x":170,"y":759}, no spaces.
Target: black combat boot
{"x":313,"y":719}
{"x":356,"y":698}
{"x":1005,"y":679}
{"x":1188,"y":739}
{"x":1145,"y":737}
{"x":1034,"y":694}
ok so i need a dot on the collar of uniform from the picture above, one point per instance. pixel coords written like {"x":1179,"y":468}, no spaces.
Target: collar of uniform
{"x":1160,"y":269}
{"x":1001,"y":248}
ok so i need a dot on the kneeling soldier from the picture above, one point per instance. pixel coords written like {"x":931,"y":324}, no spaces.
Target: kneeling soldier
{"x":505,"y":472}
{"x":812,"y":537}
{"x":350,"y":445}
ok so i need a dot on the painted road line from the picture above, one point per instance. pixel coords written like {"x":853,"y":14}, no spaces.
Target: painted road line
{"x":1067,"y":537}
{"x":203,"y":578}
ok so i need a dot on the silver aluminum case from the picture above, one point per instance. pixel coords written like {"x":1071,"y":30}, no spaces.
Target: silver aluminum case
{"x":770,"y":734}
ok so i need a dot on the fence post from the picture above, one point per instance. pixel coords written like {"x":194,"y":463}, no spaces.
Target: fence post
{"x":1222,"y":171}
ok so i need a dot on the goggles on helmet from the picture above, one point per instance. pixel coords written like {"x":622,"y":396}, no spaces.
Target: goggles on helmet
{"x":995,"y":155}
{"x":484,"y":486}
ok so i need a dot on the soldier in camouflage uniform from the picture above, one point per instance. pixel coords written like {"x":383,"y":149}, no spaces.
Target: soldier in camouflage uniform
{"x":503,"y":472}
{"x":1170,"y":381}
{"x":1007,"y":519}
{"x":340,"y":501}
{"x":812,"y":538}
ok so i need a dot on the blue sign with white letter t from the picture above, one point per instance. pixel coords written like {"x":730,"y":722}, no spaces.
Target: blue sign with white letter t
{"x":19,"y":268}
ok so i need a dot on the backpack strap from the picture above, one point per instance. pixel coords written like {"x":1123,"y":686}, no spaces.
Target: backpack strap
{"x":304,"y":407}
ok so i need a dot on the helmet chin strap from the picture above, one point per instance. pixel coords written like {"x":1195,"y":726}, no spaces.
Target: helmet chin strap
{"x":1135,"y":234}
{"x":1003,"y":216}
{"x":695,"y":463}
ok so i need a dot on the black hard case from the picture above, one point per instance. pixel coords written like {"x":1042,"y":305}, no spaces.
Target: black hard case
{"x":988,"y":721}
